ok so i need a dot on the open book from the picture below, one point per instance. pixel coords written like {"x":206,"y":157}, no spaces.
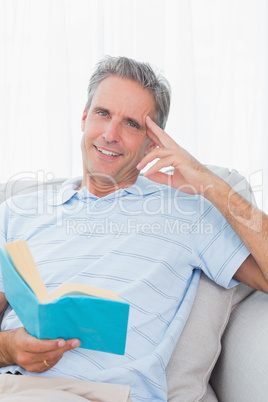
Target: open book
{"x":97,"y":317}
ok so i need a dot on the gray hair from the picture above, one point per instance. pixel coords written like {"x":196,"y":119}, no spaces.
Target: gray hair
{"x":140,"y":72}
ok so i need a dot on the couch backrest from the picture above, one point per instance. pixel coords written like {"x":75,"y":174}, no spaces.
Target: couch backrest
{"x":24,"y":186}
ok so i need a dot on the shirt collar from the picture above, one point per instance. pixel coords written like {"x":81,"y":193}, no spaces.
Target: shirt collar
{"x":141,"y":187}
{"x":67,"y":191}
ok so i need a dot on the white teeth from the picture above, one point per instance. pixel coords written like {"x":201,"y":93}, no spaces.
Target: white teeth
{"x":107,"y":152}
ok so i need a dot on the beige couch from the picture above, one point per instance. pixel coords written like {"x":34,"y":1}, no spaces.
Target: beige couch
{"x":222,"y":354}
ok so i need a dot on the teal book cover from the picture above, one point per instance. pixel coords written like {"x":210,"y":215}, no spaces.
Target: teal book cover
{"x":99,"y":323}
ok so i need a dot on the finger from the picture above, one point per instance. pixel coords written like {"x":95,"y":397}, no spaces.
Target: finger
{"x":160,"y":164}
{"x":31,"y":344}
{"x":52,"y":358}
{"x":155,"y":154}
{"x":41,"y":362}
{"x":162,"y":137}
{"x":154,"y":138}
{"x":35,"y":345}
{"x":50,"y":361}
{"x":72,"y":344}
{"x":42,"y":365}
{"x":58,"y":353}
{"x":42,"y":346}
{"x":62,"y":345}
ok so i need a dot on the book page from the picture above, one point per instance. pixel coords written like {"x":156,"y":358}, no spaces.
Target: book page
{"x":22,"y":259}
{"x":78,"y":288}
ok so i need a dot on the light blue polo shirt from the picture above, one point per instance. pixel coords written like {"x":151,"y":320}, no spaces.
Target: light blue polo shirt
{"x":147,"y":243}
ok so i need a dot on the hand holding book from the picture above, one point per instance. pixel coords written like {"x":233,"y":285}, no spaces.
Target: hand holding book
{"x":96,"y":316}
{"x":30,"y":353}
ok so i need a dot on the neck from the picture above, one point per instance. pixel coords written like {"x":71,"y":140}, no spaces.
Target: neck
{"x":101,"y":188}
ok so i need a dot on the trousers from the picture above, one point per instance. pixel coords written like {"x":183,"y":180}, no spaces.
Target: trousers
{"x":29,"y":388}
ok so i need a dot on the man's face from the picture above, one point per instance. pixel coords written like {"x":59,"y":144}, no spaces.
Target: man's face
{"x":114,"y":139}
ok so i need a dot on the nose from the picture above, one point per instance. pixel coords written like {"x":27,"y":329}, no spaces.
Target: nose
{"x":112,"y":132}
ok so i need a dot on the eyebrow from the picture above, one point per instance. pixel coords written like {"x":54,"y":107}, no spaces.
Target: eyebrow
{"x":126,"y":118}
{"x":98,"y":108}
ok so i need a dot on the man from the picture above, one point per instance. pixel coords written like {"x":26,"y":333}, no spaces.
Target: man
{"x":140,"y":237}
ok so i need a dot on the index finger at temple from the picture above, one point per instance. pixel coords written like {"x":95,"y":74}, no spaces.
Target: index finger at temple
{"x":159,"y":136}
{"x":154,"y":138}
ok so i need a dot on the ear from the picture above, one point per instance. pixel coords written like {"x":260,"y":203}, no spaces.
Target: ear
{"x":150,"y":147}
{"x":83,"y":121}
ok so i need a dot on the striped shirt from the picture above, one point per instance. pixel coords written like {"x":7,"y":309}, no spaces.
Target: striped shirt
{"x":148,"y":243}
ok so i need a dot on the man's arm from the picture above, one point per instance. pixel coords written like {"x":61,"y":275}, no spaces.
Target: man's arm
{"x":251,"y":225}
{"x":20,"y":348}
{"x":190,"y":176}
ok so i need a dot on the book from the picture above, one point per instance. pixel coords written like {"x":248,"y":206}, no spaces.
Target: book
{"x":97,"y":317}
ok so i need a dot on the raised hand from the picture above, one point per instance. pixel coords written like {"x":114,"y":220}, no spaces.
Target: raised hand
{"x":189,"y":175}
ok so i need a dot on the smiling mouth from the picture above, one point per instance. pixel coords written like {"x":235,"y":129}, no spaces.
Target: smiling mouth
{"x":105,"y":152}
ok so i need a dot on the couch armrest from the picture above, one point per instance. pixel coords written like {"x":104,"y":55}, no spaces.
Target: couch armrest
{"x":240,"y":374}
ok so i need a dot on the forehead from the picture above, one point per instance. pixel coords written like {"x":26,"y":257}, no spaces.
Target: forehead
{"x":124,"y":95}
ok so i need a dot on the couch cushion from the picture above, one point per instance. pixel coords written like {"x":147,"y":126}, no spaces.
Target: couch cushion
{"x":210,"y":396}
{"x":243,"y":364}
{"x":199,"y":346}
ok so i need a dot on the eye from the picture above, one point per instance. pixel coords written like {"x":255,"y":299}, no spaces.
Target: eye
{"x":102,"y":113}
{"x":132,"y":124}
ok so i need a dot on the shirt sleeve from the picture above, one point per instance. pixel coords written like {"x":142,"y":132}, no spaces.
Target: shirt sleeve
{"x":218,"y":250}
